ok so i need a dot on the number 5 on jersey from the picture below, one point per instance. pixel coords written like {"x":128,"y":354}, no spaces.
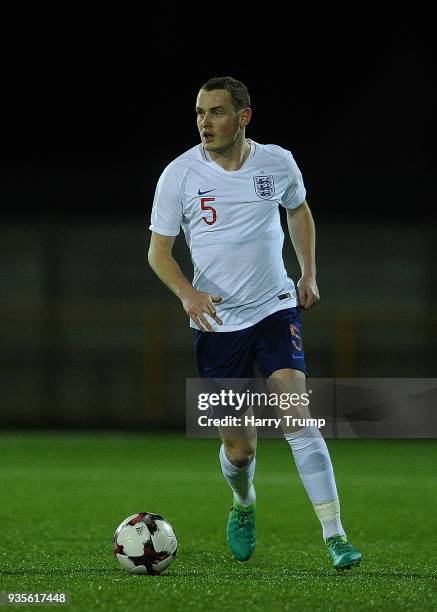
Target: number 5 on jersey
{"x":213,"y":219}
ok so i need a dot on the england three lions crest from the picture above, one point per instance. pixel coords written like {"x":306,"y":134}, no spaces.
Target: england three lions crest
{"x":264,"y":186}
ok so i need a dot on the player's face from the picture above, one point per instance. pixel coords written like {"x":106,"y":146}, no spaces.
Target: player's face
{"x":218,"y":122}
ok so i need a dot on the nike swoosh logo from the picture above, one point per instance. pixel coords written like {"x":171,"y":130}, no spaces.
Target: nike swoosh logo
{"x":203,"y":192}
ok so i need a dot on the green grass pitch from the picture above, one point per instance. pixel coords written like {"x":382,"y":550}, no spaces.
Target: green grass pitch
{"x":64,"y":494}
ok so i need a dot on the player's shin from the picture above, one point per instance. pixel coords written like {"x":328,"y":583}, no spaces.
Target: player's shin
{"x":239,"y":478}
{"x":316,"y":472}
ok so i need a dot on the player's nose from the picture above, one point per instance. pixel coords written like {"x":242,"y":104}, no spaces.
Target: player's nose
{"x":206,"y":120}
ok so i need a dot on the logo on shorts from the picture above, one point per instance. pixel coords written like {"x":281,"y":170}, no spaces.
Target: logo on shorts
{"x":264,"y":186}
{"x":296,"y":339}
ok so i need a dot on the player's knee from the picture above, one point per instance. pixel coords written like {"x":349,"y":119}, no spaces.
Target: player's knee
{"x":240,"y":452}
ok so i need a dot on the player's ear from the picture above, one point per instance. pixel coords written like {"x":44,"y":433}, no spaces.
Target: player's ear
{"x":246,"y":115}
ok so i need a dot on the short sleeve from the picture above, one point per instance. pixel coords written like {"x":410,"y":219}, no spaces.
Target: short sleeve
{"x":167,"y":204}
{"x":295,"y":193}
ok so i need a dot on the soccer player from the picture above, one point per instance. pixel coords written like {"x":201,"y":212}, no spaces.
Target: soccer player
{"x":225,"y":194}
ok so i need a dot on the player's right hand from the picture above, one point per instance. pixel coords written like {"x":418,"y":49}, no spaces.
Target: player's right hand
{"x":199,"y":303}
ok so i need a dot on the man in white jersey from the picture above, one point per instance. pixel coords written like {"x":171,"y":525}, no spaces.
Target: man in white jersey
{"x":225,"y":194}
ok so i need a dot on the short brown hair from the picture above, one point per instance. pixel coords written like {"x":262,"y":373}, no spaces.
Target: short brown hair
{"x":239,"y":93}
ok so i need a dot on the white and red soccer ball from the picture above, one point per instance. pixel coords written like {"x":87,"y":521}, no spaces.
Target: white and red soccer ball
{"x":145,"y":543}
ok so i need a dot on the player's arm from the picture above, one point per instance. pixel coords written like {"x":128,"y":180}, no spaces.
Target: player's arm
{"x":195,"y":303}
{"x":303,"y":236}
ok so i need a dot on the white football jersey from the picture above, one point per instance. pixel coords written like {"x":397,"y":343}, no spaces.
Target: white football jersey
{"x":232,"y":227}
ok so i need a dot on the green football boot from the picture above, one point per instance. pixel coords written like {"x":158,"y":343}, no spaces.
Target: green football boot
{"x":343,"y":554}
{"x":241,"y":531}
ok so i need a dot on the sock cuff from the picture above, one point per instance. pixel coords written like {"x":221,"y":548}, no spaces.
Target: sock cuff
{"x":230,"y":466}
{"x":303,"y":437}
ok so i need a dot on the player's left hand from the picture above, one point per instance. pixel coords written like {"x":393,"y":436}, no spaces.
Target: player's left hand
{"x":307,"y":292}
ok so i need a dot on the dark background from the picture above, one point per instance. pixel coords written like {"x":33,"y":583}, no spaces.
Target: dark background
{"x":94,"y":108}
{"x":95,"y":104}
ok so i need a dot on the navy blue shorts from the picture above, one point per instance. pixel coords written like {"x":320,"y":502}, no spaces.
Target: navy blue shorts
{"x":273,"y":343}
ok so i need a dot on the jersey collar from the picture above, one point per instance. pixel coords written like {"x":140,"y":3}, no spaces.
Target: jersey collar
{"x":207,"y":157}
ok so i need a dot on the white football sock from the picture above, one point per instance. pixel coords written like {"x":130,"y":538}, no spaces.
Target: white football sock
{"x":239,"y":478}
{"x":329,"y":516}
{"x":315,"y":470}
